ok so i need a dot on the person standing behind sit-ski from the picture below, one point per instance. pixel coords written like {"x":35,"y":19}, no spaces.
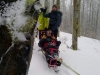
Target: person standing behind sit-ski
{"x":55,"y":19}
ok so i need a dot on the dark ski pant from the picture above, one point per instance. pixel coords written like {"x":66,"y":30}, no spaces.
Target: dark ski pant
{"x":55,"y":32}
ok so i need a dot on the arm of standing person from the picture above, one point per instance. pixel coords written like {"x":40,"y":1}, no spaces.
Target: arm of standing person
{"x":47,"y":15}
{"x":44,"y":12}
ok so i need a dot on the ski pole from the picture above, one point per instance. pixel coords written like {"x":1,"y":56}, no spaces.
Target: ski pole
{"x":70,"y":68}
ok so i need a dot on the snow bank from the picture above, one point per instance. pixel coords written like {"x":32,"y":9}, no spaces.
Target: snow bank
{"x":14,"y":16}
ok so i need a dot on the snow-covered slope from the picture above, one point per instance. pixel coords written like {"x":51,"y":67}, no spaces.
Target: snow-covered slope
{"x":85,"y":61}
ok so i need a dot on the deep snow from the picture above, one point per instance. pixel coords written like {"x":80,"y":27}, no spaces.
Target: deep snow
{"x":85,"y":60}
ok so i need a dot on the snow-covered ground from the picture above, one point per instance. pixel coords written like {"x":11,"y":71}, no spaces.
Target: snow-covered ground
{"x":85,"y":60}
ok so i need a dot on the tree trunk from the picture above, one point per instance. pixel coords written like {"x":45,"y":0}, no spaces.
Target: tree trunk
{"x":47,"y":5}
{"x":53,"y":2}
{"x":15,"y":60}
{"x":79,"y":27}
{"x":76,"y":23}
{"x":98,"y":11}
{"x":58,"y":3}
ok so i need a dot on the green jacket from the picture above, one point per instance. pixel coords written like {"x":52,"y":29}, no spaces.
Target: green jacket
{"x":43,"y":22}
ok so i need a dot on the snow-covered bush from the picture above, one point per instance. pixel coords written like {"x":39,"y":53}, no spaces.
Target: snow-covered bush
{"x":14,"y":18}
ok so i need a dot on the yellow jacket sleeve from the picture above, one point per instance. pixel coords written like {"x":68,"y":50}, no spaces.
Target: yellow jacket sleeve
{"x":43,"y":22}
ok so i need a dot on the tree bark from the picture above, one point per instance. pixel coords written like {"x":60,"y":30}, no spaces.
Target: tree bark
{"x":15,"y":60}
{"x":58,"y":3}
{"x":53,"y":2}
{"x":76,"y":23}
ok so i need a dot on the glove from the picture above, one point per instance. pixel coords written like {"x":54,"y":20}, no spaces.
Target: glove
{"x":43,"y":10}
{"x":46,"y":29}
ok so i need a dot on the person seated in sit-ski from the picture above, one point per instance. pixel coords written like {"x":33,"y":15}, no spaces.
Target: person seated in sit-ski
{"x":49,"y":39}
{"x":50,"y":47}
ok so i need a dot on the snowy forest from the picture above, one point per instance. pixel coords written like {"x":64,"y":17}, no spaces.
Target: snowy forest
{"x":18,"y":31}
{"x":89,"y":17}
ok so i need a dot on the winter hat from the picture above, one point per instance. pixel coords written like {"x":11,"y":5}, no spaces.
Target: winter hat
{"x":55,"y":6}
